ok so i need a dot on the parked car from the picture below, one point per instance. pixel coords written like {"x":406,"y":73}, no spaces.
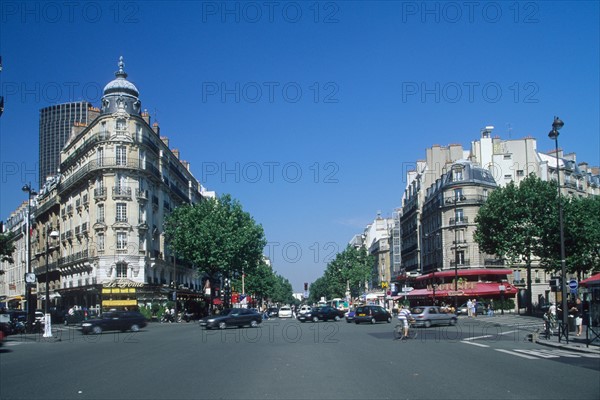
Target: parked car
{"x":372,"y":314}
{"x":285,"y":312}
{"x":432,"y":315}
{"x":481,"y":309}
{"x":232,"y":317}
{"x":114,"y":321}
{"x":324,"y":313}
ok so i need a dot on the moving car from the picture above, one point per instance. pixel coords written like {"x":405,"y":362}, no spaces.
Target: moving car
{"x":432,"y":315}
{"x":350,"y":315}
{"x":304,"y":309}
{"x":285,"y":312}
{"x":324,"y":313}
{"x":232,"y":317}
{"x":114,"y":321}
{"x":372,"y":314}
{"x":273,"y":312}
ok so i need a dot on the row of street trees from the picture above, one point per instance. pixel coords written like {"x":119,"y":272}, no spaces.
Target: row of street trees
{"x":350,"y":269}
{"x":223,"y":241}
{"x":521,"y":225}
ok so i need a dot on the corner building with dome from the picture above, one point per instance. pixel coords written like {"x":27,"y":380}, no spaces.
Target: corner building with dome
{"x":118,"y":182}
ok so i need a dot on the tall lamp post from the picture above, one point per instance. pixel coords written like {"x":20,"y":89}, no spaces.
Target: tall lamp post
{"x":29,"y":275}
{"x":556,"y":126}
{"x":456,"y":196}
{"x":47,"y":320}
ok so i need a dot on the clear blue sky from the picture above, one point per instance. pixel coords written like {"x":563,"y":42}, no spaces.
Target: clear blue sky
{"x":308,"y":113}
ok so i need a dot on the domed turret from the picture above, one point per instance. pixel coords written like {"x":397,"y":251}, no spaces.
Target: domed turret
{"x":120,"y":94}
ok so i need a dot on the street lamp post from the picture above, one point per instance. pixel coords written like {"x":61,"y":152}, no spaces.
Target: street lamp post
{"x":455,"y":253}
{"x":47,"y":320}
{"x":29,"y":277}
{"x":556,"y":126}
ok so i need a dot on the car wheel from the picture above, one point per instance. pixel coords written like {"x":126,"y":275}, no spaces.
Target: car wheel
{"x":97,"y":330}
{"x":373,"y":320}
{"x":222,"y":325}
{"x":389,"y":320}
{"x":453,"y":321}
{"x":337,"y":318}
{"x":348,"y":321}
{"x":253,"y":323}
{"x":315,"y":319}
{"x":135,"y":328}
{"x":427,"y":324}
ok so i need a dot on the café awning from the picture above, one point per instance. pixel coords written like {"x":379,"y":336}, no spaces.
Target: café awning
{"x":592,"y":280}
{"x":475,"y":289}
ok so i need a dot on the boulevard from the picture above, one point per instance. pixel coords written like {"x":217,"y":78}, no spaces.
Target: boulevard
{"x":285,"y":359}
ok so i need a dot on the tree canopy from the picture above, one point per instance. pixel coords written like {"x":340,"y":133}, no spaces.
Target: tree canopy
{"x":7,"y":248}
{"x":217,"y":236}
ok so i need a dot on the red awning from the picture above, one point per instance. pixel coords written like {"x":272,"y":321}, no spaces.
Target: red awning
{"x":592,"y":280}
{"x":477,"y":289}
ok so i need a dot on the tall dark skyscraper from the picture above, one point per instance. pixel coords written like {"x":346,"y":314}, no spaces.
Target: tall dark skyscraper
{"x":55,"y":128}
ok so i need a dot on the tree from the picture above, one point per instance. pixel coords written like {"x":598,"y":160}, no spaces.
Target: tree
{"x":217,"y":236}
{"x":514,"y":221}
{"x":581,"y":225}
{"x":318,"y":289}
{"x":7,"y":248}
{"x":260,"y":283}
{"x":282,"y":291}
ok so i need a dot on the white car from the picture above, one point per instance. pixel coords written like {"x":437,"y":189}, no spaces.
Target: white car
{"x":285,"y":312}
{"x":304,"y":309}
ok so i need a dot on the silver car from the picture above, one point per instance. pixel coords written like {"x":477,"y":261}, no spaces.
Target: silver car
{"x":432,"y":315}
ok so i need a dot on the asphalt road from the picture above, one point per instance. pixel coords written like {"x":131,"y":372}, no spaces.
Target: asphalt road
{"x":285,"y":359}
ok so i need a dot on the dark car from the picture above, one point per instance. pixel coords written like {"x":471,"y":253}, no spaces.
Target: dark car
{"x":114,"y":321}
{"x":463,"y":310}
{"x":372,"y":314}
{"x":232,"y":317}
{"x":78,"y":316}
{"x":432,"y":315}
{"x":273,"y":312}
{"x":324,"y":313}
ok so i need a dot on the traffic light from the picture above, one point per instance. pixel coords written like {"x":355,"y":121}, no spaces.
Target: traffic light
{"x":305,"y":286}
{"x":555,"y":284}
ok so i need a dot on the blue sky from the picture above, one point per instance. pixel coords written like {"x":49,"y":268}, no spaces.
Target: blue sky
{"x":309,"y":113}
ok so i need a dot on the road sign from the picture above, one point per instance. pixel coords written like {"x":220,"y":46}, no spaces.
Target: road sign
{"x":573,"y":284}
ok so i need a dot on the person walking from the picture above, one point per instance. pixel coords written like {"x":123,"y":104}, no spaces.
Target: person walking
{"x":579,"y":317}
{"x":469,"y":308}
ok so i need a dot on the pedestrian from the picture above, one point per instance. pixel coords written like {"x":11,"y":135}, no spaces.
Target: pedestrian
{"x":490,"y":310}
{"x":579,"y":317}
{"x":469,"y":308}
{"x":475,"y":308}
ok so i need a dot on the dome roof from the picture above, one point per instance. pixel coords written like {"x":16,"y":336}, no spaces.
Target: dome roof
{"x":121,"y":84}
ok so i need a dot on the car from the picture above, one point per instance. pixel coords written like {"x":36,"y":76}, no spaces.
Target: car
{"x":304,"y":309}
{"x":372,"y":314}
{"x":463,"y":310}
{"x":272,"y":312}
{"x":237,"y":317}
{"x":324,"y":313}
{"x":432,"y":315}
{"x":350,"y":315}
{"x":77,"y":317}
{"x":114,"y":321}
{"x":285,"y":312}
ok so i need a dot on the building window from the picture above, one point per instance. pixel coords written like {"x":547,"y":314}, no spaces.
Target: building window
{"x":121,"y":240}
{"x":457,"y":174}
{"x":520,"y":172}
{"x":100,"y":156}
{"x":121,"y":155}
{"x":485,"y":194}
{"x":100,"y":213}
{"x":121,"y":270}
{"x":460,"y":257}
{"x":121,"y":212}
{"x":101,"y":241}
{"x":120,"y":124}
{"x":459,"y":214}
{"x":458,"y":193}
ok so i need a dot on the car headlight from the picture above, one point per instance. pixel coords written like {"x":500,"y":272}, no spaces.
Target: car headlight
{"x":86,"y":324}
{"x":210,"y":320}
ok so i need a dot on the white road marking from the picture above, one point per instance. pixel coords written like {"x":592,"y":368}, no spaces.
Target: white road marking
{"x":475,"y":344}
{"x":537,"y":353}
{"x":517,"y":354}
{"x":477,"y":337}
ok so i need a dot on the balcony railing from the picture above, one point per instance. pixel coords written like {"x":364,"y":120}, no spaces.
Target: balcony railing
{"x":100,"y":193}
{"x":463,"y":263}
{"x":459,"y":221}
{"x":141,"y":194}
{"x":121,"y":192}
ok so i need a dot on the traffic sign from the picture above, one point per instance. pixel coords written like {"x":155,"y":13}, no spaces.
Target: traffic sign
{"x":573,"y":284}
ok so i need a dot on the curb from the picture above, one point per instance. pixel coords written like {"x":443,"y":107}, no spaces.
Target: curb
{"x":581,"y":348}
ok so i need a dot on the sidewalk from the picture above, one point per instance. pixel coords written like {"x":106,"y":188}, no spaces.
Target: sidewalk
{"x":576,"y":343}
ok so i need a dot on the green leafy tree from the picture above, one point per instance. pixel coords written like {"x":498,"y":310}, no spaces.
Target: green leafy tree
{"x":260,"y":282}
{"x":318,"y":289}
{"x":581,"y":225}
{"x":514,"y":221}
{"x":350,"y":268}
{"x":282,"y":291}
{"x":217,"y":236}
{"x":7,"y":248}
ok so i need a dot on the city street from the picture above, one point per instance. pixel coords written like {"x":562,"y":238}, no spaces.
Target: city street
{"x":284,"y":359}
